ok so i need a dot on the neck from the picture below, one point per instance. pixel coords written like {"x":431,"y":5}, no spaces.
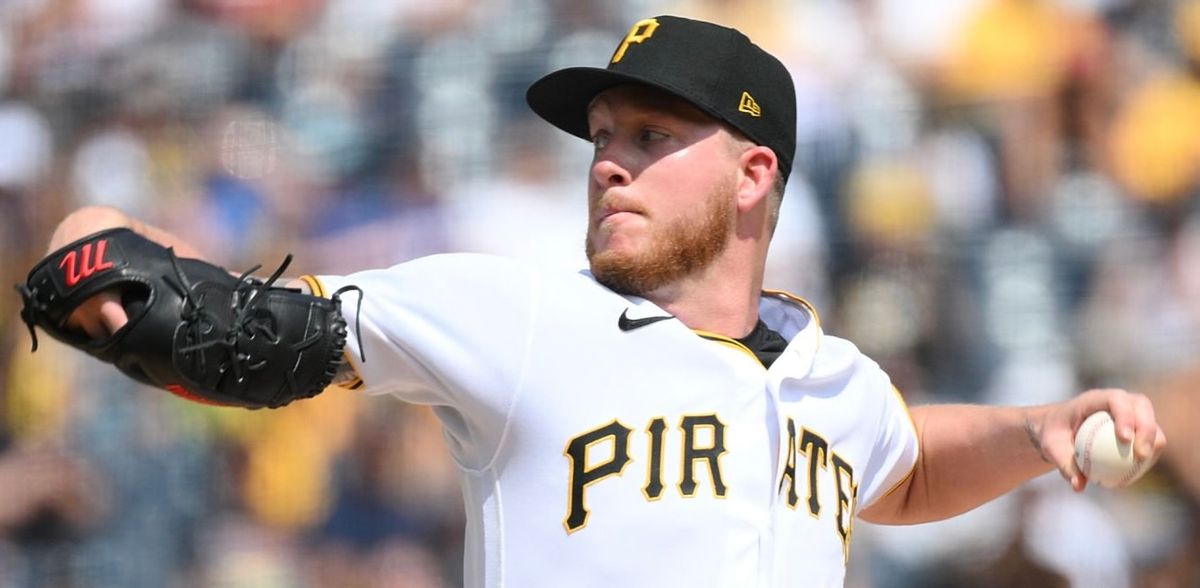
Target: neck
{"x":722,"y":298}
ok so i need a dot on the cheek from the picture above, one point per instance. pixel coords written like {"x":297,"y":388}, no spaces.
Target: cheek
{"x":680,"y":196}
{"x":689,"y":172}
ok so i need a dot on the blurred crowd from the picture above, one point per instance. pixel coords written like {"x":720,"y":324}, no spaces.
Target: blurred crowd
{"x":996,"y":199}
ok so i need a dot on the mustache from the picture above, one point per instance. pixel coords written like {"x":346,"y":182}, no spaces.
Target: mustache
{"x":610,"y":202}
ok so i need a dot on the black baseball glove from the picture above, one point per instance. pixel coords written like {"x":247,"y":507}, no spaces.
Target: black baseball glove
{"x":194,"y":329}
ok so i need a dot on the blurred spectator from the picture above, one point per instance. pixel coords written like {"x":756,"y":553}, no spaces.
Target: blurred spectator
{"x":27,"y":147}
{"x":248,"y":198}
{"x":112,"y":167}
{"x":1024,"y":71}
{"x":26,"y":160}
{"x":1154,"y":153}
{"x":49,"y":499}
{"x":529,"y":190}
{"x":373,"y":536}
{"x":382,"y":220}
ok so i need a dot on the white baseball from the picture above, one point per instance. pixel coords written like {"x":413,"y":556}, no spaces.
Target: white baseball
{"x":1103,"y":458}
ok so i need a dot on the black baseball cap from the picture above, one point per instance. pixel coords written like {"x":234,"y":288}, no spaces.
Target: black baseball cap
{"x":715,"y":68}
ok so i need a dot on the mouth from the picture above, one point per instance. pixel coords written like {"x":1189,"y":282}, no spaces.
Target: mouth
{"x":614,"y":210}
{"x":611,"y":214}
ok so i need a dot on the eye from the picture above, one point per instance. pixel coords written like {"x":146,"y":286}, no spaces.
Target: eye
{"x":650,"y":136}
{"x":599,"y":141}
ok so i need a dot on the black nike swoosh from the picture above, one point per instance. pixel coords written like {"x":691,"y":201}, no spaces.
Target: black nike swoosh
{"x":627,"y":324}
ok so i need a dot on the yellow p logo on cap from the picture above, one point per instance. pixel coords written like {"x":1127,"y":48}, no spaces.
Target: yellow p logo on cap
{"x":640,"y":31}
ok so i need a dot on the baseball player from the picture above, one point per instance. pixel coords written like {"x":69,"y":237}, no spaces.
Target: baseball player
{"x":658,"y":420}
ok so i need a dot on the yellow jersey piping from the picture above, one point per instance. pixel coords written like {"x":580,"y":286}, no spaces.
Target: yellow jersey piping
{"x":319,"y":289}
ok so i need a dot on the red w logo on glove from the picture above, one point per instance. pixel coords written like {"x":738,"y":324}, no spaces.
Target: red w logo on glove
{"x":76,"y":269}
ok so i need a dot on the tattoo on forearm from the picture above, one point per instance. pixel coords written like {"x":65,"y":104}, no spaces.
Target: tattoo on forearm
{"x":1032,"y":433}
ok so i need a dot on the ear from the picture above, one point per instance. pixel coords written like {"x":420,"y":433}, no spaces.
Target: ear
{"x":758,"y":166}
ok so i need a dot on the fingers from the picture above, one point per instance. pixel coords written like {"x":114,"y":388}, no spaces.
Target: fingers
{"x":99,"y":316}
{"x":1058,"y":447}
{"x":1133,"y":417}
{"x":1149,"y":438}
{"x":1071,"y":474}
{"x":112,"y":313}
{"x":1160,"y":445}
{"x":88,"y":323}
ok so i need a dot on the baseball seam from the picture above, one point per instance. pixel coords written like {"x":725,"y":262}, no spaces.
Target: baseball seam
{"x":1090,"y":435}
{"x":1087,"y":454}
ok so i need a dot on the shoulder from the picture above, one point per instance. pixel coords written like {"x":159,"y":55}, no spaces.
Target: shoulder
{"x":795,"y":318}
{"x":458,"y":270}
{"x":840,"y":358}
{"x":470,"y":275}
{"x":488,"y":264}
{"x":453,"y":262}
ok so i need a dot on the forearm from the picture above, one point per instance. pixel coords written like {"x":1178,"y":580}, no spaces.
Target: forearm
{"x":969,"y":456}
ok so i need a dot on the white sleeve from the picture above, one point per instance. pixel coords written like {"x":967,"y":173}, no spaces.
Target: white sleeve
{"x":449,"y":331}
{"x":896,"y":444}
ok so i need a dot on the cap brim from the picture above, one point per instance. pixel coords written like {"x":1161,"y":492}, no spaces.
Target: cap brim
{"x":563,"y":97}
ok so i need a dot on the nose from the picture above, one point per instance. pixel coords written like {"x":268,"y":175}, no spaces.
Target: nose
{"x":607,"y":173}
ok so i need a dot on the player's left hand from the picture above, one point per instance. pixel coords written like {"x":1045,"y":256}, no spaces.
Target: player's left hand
{"x":1133,"y":416}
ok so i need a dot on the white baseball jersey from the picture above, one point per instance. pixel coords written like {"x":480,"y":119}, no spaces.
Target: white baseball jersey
{"x":603,"y":445}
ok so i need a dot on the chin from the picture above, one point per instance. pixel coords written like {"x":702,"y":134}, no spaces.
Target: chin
{"x":627,"y":273}
{"x":624,"y":250}
{"x":607,"y":258}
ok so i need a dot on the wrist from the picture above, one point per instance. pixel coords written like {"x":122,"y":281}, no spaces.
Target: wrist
{"x":1033,"y":431}
{"x":346,"y":376}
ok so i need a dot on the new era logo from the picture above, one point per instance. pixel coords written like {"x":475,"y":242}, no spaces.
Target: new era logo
{"x":749,"y":106}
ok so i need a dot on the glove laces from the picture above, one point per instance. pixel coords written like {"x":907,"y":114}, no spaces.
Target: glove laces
{"x":31,"y":309}
{"x":198,"y":321}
